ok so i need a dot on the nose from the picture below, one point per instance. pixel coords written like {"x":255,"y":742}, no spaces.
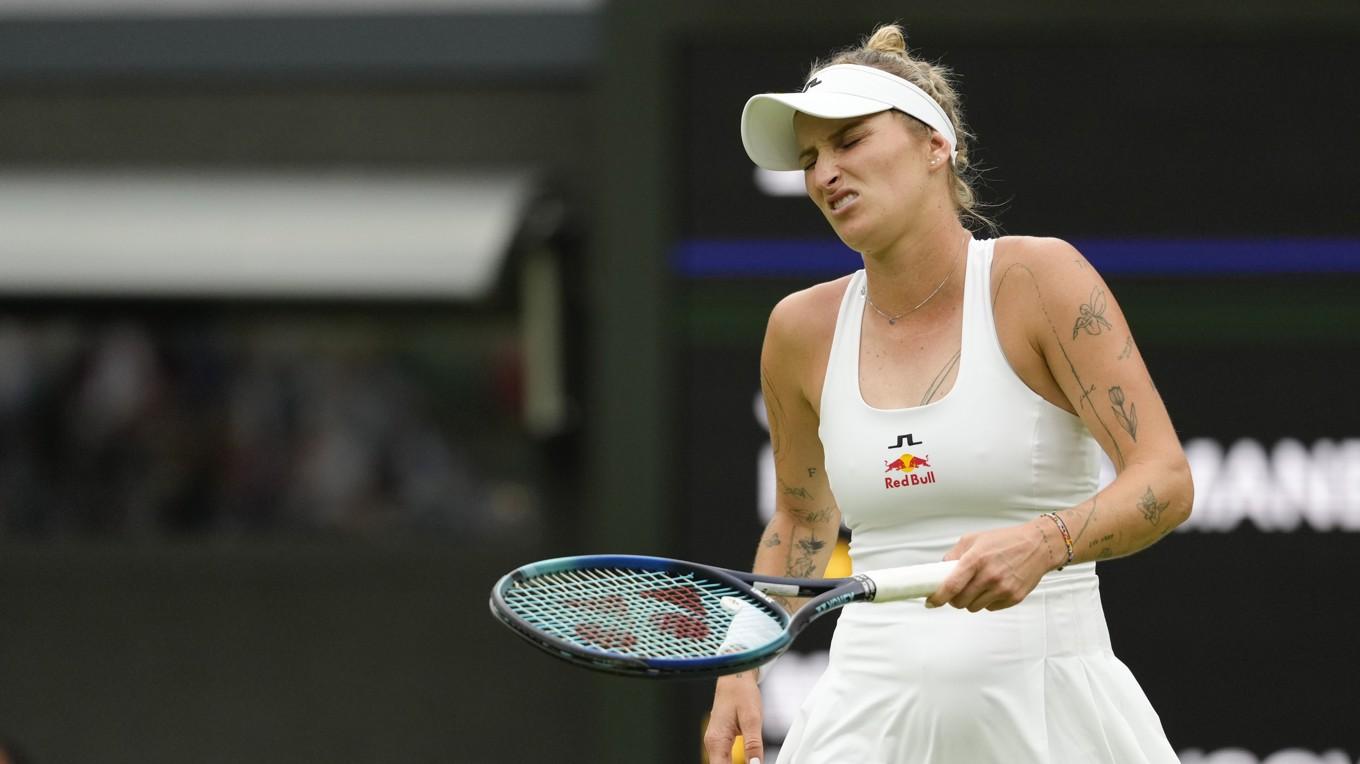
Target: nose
{"x":825,"y":174}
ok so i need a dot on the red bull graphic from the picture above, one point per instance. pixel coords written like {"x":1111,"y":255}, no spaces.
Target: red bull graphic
{"x":908,"y":464}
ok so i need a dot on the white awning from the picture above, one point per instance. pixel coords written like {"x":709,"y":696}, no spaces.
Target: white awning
{"x":345,"y":235}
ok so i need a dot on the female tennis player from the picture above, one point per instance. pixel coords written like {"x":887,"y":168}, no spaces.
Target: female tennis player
{"x":948,"y":401}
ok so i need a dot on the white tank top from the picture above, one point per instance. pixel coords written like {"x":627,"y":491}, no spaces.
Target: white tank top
{"x":990,"y":453}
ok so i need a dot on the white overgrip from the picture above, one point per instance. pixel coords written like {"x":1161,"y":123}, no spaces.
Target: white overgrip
{"x":910,"y":581}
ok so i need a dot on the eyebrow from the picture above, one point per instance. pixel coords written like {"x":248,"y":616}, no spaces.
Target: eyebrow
{"x":811,"y":151}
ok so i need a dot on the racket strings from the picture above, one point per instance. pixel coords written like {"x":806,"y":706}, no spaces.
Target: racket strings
{"x":640,"y":613}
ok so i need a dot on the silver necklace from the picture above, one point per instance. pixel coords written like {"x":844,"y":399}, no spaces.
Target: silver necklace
{"x":892,"y":320}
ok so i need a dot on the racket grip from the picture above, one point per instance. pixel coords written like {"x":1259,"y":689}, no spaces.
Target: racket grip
{"x":910,"y":581}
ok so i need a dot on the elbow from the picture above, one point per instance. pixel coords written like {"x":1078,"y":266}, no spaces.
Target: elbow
{"x":1182,"y":493}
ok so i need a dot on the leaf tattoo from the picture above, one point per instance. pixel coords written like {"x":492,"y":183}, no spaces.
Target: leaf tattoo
{"x":1092,"y":317}
{"x":1151,"y":509}
{"x":1127,"y":419}
{"x":806,"y":565}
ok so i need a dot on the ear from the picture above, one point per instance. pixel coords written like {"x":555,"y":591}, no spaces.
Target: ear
{"x":938,"y":149}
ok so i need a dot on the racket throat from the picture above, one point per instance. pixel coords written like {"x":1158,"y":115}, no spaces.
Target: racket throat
{"x":870,"y":588}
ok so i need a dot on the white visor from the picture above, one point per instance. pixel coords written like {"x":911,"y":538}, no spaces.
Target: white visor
{"x":836,"y":92}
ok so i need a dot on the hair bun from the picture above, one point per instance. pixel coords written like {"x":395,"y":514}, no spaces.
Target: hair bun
{"x":888,"y":38}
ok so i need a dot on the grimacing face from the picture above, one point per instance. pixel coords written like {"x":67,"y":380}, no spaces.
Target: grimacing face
{"x":870,"y":176}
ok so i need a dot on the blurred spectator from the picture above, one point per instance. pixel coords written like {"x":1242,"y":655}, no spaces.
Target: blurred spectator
{"x":134,"y":428}
{"x":10,"y":753}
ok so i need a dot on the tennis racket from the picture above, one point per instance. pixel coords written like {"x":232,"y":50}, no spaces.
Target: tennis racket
{"x":662,"y":618}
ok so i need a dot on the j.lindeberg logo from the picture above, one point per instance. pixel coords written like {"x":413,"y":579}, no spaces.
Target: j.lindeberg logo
{"x":812,"y":83}
{"x":907,"y":440}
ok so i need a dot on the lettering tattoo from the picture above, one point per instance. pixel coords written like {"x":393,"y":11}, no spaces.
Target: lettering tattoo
{"x":812,"y":516}
{"x":1105,"y":554}
{"x":812,"y":471}
{"x":939,"y":380}
{"x":1128,"y":419}
{"x":794,"y":491}
{"x":1152,"y":509}
{"x":1085,"y":390}
{"x":1092,"y":315}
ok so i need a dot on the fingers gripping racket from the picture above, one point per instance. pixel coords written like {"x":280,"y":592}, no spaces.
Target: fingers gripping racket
{"x":662,"y":618}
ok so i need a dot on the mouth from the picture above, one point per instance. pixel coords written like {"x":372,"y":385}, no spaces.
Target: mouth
{"x":842,"y":201}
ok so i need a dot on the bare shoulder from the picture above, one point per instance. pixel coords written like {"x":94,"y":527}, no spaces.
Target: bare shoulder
{"x":1042,"y":257}
{"x":1033,"y":272}
{"x":798,"y":343}
{"x":804,"y":321}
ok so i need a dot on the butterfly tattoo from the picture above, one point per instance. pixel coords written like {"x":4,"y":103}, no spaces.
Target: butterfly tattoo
{"x":1092,"y":318}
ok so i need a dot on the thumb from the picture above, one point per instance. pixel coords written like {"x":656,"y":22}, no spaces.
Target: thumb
{"x":956,"y":580}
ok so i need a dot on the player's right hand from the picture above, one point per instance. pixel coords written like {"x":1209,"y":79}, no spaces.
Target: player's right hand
{"x":736,"y":711}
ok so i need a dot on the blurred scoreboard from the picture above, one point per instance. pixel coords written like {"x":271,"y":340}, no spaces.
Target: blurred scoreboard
{"x":1239,"y":269}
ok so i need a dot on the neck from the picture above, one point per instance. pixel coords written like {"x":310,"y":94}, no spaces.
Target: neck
{"x":904,"y":273}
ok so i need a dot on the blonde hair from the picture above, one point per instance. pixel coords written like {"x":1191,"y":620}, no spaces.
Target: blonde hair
{"x":886,"y":49}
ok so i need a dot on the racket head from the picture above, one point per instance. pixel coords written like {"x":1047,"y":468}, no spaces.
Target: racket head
{"x":641,"y":616}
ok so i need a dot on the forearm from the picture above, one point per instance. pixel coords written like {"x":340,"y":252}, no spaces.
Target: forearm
{"x":797,"y":544}
{"x":1140,"y":507}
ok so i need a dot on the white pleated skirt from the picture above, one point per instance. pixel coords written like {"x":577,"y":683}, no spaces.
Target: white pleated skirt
{"x":1033,"y":684}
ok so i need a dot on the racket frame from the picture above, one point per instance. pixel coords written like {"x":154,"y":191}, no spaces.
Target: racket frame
{"x":827,"y":595}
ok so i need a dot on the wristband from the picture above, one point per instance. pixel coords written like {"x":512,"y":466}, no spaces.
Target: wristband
{"x":1066,"y":537}
{"x":749,"y":628}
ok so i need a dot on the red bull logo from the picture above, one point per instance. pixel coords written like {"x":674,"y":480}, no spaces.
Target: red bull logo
{"x":908,"y":464}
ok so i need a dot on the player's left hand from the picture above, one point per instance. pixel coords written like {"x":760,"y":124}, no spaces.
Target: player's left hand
{"x":997,"y":568}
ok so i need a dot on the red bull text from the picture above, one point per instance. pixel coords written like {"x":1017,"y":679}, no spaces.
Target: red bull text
{"x":908,"y":464}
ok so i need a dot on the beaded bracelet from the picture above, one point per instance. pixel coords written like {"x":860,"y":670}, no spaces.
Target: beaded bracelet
{"x":1067,"y":537}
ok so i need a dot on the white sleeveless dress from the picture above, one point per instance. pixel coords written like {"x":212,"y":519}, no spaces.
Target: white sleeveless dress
{"x":905,"y":685}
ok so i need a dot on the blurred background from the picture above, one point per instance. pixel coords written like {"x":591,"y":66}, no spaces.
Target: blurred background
{"x":317,"y":316}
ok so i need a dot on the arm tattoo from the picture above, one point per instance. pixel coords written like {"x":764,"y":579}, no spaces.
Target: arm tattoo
{"x":940,"y":378}
{"x":772,"y":541}
{"x":797,"y":492}
{"x":812,"y":516}
{"x":1127,"y":419}
{"x":1092,"y":318}
{"x":804,"y":565}
{"x":776,"y":409}
{"x":1086,"y":523}
{"x":1047,"y":546}
{"x":1128,"y":348}
{"x":1085,"y":390}
{"x":1151,"y":508}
